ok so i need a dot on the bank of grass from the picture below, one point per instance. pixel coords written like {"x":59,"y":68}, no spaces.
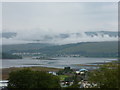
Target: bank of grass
{"x":97,"y":64}
{"x":6,"y":71}
{"x":85,"y":65}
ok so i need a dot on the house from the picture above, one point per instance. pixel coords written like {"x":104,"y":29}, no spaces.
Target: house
{"x":81,"y":71}
{"x":53,"y":73}
{"x":3,"y":83}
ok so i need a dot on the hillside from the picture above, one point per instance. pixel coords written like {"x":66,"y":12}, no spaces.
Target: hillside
{"x":10,"y":56}
{"x":87,"y":49}
{"x":24,"y":47}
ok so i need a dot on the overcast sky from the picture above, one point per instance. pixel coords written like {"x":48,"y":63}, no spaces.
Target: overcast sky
{"x":36,"y":19}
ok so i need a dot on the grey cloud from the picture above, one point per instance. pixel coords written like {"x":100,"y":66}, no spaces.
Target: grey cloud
{"x":59,"y":23}
{"x":60,"y":16}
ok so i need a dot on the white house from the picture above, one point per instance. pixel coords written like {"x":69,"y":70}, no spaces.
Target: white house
{"x":54,"y":73}
{"x":3,"y":83}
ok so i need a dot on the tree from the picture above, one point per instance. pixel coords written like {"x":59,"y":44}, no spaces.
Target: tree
{"x":106,"y":76}
{"x":27,"y":78}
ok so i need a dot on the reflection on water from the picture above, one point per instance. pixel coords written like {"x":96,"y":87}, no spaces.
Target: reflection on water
{"x":60,"y":62}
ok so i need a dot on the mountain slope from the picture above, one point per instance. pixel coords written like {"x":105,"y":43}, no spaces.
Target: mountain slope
{"x":90,"y":49}
{"x":87,"y":49}
{"x":24,"y":47}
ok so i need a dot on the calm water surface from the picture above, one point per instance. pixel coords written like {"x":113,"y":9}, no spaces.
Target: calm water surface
{"x":60,"y":62}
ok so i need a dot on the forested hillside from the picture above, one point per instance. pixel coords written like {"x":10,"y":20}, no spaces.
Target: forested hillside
{"x":87,"y":49}
{"x":10,"y":56}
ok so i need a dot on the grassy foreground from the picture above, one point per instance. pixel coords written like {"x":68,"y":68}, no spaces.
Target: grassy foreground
{"x":6,"y":71}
